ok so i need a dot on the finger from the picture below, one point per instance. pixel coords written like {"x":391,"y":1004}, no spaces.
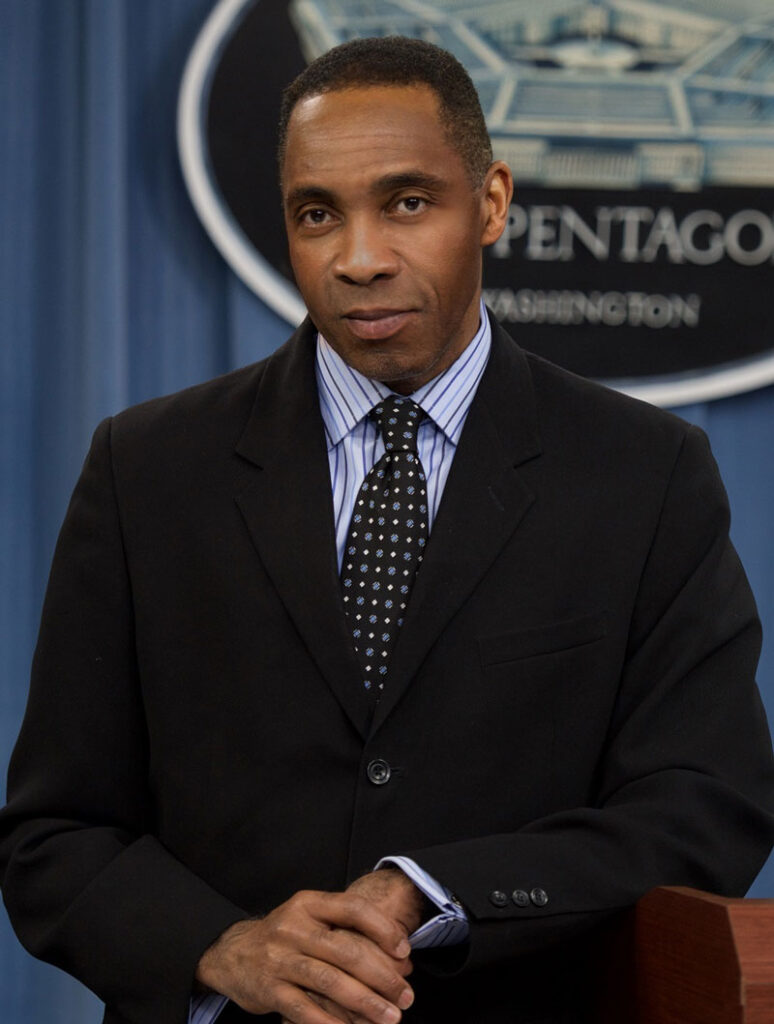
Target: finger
{"x":304,"y":927}
{"x":334,"y":1009}
{"x":355,"y":911}
{"x":361,"y":959}
{"x":338,"y":1011}
{"x":319,"y":978}
{"x":298,"y":1007}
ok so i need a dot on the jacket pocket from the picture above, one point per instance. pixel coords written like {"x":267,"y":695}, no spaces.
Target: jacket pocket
{"x":551,"y":638}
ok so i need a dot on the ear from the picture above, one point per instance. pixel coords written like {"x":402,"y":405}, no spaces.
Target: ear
{"x":496,"y":195}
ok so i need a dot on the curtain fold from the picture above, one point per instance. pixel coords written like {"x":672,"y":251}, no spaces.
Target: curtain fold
{"x":110,"y":293}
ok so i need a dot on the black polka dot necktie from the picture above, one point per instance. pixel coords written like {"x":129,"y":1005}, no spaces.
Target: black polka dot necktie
{"x":386,"y":539}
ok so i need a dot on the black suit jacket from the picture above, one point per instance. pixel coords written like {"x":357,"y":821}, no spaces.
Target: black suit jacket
{"x":570,"y":707}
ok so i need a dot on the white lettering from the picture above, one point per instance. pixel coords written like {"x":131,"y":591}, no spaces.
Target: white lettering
{"x":572,"y":226}
{"x":632,"y":217}
{"x":541,"y":244}
{"x":687,"y":310}
{"x":664,"y":232}
{"x":613,"y":309}
{"x":690,"y":225}
{"x":702,"y":237}
{"x":759,"y":223}
{"x":657,"y":311}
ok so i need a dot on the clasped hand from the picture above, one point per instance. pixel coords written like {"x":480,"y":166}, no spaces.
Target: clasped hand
{"x":322,"y":957}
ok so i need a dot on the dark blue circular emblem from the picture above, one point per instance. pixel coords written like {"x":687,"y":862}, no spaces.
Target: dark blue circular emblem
{"x":640,"y":243}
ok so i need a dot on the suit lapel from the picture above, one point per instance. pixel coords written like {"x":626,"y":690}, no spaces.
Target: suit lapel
{"x":483,"y":502}
{"x":289,"y":512}
{"x":288,"y":509}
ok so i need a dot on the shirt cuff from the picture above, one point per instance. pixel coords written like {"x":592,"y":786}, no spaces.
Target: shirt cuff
{"x":205,"y":1008}
{"x":449,"y":927}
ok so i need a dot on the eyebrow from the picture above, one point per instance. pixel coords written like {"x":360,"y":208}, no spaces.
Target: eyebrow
{"x":309,"y":194}
{"x":409,"y":179}
{"x":387,"y":183}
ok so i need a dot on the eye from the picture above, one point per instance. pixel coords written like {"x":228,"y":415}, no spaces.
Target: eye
{"x":314,"y":217}
{"x":411,"y":204}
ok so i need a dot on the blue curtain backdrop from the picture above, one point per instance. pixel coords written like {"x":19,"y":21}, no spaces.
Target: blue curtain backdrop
{"x":110,"y":293}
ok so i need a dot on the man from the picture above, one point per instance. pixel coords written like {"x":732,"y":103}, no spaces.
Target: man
{"x":230,"y":722}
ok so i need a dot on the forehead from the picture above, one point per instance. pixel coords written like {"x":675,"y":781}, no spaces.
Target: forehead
{"x":367,"y":129}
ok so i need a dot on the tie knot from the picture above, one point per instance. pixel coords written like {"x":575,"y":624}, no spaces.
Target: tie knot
{"x":398,"y":419}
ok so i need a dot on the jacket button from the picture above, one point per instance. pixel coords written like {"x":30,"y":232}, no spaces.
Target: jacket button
{"x":539,"y":897}
{"x":378,"y":771}
{"x":498,"y":898}
{"x":520,"y":897}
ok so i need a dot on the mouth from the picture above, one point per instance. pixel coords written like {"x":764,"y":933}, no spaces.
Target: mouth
{"x":376,"y":324}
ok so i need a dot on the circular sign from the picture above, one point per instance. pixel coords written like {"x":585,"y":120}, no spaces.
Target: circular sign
{"x":640,"y":242}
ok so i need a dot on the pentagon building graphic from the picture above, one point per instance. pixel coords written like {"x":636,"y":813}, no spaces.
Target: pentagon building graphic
{"x":597,"y":93}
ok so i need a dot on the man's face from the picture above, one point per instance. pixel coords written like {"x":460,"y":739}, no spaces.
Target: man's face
{"x":385,"y":230}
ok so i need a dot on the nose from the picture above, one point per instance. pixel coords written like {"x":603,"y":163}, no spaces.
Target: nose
{"x":364,"y":254}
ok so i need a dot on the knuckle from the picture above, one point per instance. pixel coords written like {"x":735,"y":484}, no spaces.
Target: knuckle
{"x":274,"y":961}
{"x":371,"y":1006}
{"x":391,"y":986}
{"x":351,"y":954}
{"x":300,"y":899}
{"x":325,"y":978}
{"x":284,"y":932}
{"x":293,"y":1005}
{"x":294,"y":1009}
{"x":289,"y":930}
{"x":359,"y":904}
{"x":321,"y":935}
{"x":301,"y":969}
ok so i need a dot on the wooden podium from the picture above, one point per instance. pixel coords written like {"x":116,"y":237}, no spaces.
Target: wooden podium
{"x":687,"y":957}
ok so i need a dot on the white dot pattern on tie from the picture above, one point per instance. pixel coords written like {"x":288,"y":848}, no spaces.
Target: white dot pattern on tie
{"x":386,"y":540}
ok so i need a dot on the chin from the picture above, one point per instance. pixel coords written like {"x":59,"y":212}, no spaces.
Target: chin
{"x":391,"y":375}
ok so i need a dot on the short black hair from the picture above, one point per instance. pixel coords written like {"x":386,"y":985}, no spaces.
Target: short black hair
{"x":399,"y":61}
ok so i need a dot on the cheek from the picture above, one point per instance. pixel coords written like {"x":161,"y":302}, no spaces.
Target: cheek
{"x":299,"y":261}
{"x":457,"y":267}
{"x":306,"y":260}
{"x":311,"y":280}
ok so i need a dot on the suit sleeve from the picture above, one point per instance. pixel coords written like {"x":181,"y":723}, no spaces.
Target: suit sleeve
{"x":86,"y":884}
{"x":685,"y":784}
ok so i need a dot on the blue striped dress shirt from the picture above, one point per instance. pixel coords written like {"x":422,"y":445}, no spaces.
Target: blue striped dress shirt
{"x":353,"y":441}
{"x":354,"y":445}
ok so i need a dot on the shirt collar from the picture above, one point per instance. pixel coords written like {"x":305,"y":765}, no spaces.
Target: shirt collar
{"x":346,"y":396}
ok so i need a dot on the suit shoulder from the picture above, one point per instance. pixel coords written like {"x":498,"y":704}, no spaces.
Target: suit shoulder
{"x":603,"y":450}
{"x":574,"y":405}
{"x":217,"y":408}
{"x":601,"y":438}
